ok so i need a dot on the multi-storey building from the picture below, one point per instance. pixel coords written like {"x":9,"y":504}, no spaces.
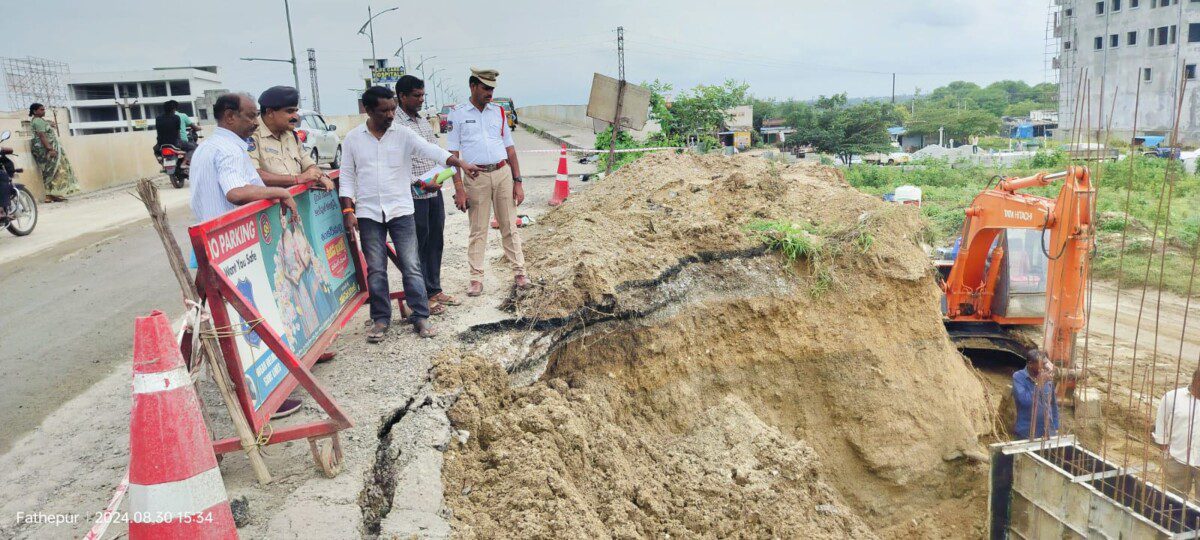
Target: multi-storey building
{"x":127,"y":100}
{"x":1109,"y":51}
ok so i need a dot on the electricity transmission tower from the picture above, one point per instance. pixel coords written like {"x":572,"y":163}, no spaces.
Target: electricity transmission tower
{"x":312,"y":77}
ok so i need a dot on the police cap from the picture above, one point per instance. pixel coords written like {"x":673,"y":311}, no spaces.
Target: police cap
{"x":279,"y":97}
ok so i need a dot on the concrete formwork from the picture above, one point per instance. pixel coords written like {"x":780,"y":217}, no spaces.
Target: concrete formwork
{"x":1057,"y":489}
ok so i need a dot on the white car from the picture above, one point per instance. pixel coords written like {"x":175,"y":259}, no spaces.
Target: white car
{"x":319,"y":139}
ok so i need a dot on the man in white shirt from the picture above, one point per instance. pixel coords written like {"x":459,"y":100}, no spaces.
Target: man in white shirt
{"x":376,"y":190}
{"x":223,"y":177}
{"x":1177,"y":432}
{"x":479,"y":134}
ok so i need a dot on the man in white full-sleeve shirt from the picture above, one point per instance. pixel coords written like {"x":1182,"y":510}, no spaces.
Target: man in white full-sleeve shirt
{"x":1177,"y":432}
{"x":375,"y":187}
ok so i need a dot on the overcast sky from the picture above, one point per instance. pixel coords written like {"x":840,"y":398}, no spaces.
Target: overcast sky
{"x":546,"y":51}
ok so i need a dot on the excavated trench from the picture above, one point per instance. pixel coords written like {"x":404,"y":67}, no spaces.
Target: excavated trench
{"x":696,"y":384}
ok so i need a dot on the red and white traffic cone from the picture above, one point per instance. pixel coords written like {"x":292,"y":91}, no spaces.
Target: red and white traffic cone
{"x":562,"y":188}
{"x":175,"y":487}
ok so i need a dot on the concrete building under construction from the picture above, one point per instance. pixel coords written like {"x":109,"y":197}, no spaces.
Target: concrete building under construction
{"x":1116,"y":48}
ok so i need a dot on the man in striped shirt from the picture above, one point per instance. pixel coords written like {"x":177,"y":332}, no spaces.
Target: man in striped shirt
{"x":429,"y":206}
{"x":223,"y":177}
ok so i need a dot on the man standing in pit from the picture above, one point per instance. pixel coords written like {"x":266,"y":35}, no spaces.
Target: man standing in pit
{"x":1033,"y":394}
{"x":1177,"y":433}
{"x":479,"y":134}
{"x":429,"y":206}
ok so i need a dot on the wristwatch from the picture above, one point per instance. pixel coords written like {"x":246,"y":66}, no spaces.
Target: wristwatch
{"x":517,"y":179}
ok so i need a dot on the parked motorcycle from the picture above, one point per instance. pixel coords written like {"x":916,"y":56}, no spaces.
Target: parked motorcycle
{"x":22,"y":211}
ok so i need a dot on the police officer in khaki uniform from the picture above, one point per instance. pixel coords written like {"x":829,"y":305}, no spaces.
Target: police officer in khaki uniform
{"x":281,"y":161}
{"x":275,"y":149}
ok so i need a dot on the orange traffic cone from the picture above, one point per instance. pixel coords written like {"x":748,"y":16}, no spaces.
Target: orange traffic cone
{"x":561,"y":187}
{"x":175,"y":487}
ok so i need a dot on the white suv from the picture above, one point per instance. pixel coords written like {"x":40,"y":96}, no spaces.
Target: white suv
{"x":319,"y":139}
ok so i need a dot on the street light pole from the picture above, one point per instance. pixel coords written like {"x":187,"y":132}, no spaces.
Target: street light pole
{"x":369,"y":26}
{"x":291,"y":44}
{"x":400,"y":52}
{"x":287,"y":12}
{"x":371,"y":22}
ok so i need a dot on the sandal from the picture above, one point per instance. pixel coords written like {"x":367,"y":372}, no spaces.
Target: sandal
{"x":424,"y":329}
{"x":443,"y":298}
{"x":475,"y":289}
{"x":436,"y":308}
{"x":378,"y":330}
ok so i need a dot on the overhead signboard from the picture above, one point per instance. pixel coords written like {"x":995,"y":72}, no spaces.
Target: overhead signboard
{"x":602,"y":103}
{"x":386,"y":76}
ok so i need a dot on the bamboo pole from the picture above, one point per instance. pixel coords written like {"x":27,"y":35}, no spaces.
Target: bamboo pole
{"x":209,"y":348}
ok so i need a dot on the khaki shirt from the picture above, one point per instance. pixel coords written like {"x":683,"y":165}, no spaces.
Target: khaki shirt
{"x":278,"y":155}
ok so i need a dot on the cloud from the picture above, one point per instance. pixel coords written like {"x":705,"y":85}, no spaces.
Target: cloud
{"x":547,"y":51}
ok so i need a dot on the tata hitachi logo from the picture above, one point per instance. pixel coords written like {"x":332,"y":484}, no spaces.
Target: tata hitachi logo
{"x":1023,"y":216}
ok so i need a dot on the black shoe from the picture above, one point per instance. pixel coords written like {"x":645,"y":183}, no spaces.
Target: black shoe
{"x":287,"y":408}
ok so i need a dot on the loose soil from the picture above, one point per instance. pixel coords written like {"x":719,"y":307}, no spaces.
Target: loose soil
{"x":696,"y":384}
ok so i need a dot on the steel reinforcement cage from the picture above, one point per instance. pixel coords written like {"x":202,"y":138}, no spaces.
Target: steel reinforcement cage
{"x":1057,"y":489}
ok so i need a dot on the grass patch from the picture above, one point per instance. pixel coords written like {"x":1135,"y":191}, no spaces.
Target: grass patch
{"x":798,"y":242}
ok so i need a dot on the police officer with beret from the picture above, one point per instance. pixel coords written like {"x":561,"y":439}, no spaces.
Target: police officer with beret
{"x":275,"y":149}
{"x":281,"y":161}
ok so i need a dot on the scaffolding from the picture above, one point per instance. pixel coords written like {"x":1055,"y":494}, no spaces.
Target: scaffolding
{"x":36,"y":80}
{"x":1059,"y":59}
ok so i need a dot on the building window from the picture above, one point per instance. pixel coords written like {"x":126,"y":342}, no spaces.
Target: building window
{"x":1193,"y":32}
{"x":1099,"y":8}
{"x":181,"y":88}
{"x":1172,"y":34}
{"x":1098,"y":43}
{"x":1114,"y":41}
{"x":1162,"y":35}
{"x":1066,"y":45}
{"x":1133,"y":4}
{"x":154,"y":89}
{"x":1070,"y":12}
{"x":1189,"y":70}
{"x":185,"y":107}
{"x":1150,"y":37}
{"x":1131,"y":38}
{"x":128,"y":90}
{"x":94,"y":91}
{"x":203,"y":114}
{"x":1116,"y":5}
{"x":1146,"y":74}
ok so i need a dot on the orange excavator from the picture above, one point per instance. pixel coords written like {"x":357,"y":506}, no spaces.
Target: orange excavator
{"x":1023,"y":261}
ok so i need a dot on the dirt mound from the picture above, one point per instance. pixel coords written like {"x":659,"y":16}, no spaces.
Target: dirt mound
{"x":552,"y":461}
{"x":688,"y":363}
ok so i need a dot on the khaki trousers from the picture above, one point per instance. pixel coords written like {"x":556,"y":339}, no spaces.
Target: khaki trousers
{"x":1182,"y":478}
{"x":488,"y":191}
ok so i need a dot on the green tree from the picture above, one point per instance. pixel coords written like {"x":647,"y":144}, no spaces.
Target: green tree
{"x":958,"y":124}
{"x":830,"y":125}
